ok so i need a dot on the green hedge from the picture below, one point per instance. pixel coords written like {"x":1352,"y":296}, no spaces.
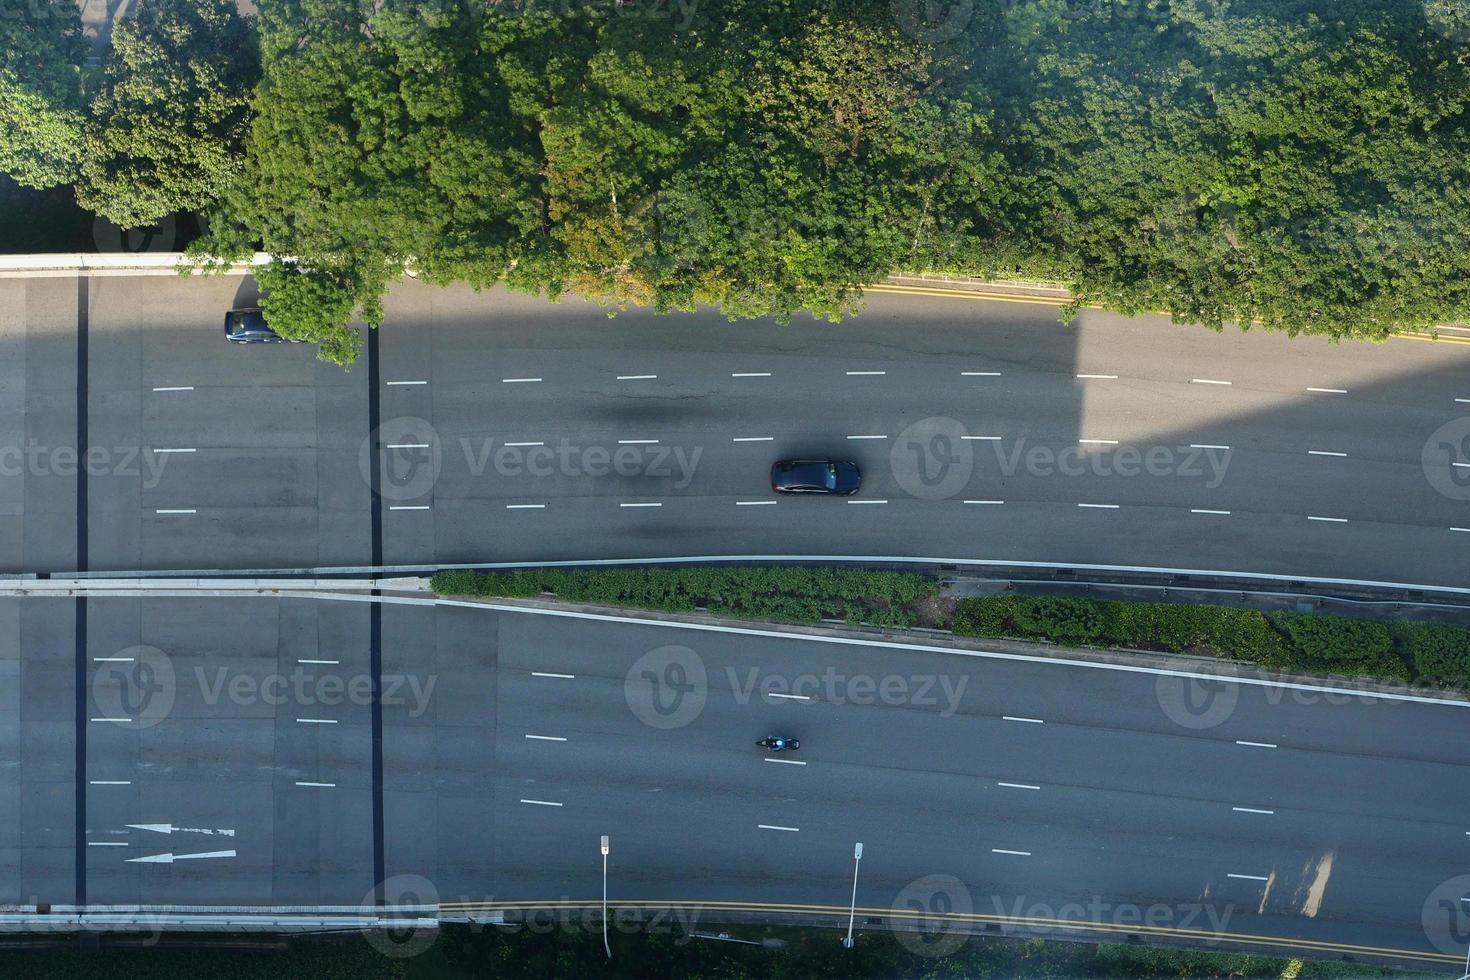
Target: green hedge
{"x":1282,"y":641}
{"x":780,"y":594}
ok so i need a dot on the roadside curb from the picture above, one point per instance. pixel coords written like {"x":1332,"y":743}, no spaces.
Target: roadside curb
{"x":930,"y":639}
{"x":44,"y":265}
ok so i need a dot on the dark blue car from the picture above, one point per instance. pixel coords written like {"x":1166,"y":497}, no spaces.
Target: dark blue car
{"x":839,"y":477}
{"x":247,"y":326}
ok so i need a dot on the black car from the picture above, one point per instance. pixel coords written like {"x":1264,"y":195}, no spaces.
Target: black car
{"x":835,"y":476}
{"x":247,"y":326}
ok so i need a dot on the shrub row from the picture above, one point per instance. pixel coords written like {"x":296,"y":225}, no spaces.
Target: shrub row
{"x":1282,"y":641}
{"x":780,"y":594}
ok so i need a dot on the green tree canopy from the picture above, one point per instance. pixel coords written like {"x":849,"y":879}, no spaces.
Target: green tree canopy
{"x":170,"y":115}
{"x":41,"y":56}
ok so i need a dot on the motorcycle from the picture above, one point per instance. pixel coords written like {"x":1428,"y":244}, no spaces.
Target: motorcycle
{"x":777,"y":743}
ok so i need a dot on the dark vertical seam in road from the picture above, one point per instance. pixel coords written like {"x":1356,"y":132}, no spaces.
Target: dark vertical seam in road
{"x":375,"y":617}
{"x":80,"y":603}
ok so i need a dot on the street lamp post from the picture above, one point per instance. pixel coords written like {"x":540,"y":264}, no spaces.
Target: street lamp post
{"x":605,"y":945}
{"x":857,"y":857}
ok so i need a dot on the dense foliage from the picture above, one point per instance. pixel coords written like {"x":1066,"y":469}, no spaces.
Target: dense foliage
{"x":778,"y":594}
{"x":170,"y":112}
{"x":1428,"y":653}
{"x":1300,"y":164}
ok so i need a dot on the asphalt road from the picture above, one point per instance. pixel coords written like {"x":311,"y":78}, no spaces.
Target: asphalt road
{"x":233,"y":735}
{"x":516,"y":430}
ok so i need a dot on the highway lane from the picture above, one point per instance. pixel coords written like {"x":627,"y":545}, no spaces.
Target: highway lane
{"x":1037,"y":786}
{"x":987,"y":430}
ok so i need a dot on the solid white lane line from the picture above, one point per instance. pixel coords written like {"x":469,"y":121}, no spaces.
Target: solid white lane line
{"x":1201,"y":445}
{"x":1033,"y":721}
{"x":317,"y":721}
{"x":1208,"y":381}
{"x":162,"y":451}
{"x":1100,"y":506}
{"x":117,"y":720}
{"x":981,"y":438}
{"x":753,"y":439}
{"x":322,"y":785}
{"x":790,"y":697}
{"x":546,"y":738}
{"x":543,"y":673}
{"x":1100,"y":377}
{"x":176,"y":510}
{"x":1001,"y":850}
{"x":409,"y":507}
{"x":1249,"y":877}
{"x":1018,"y":785}
{"x":980,"y":374}
{"x":113,"y":660}
{"x":753,"y":503}
{"x":1257,"y":745}
{"x":1323,"y":452}
{"x":191,"y":388}
{"x":525,"y":506}
{"x":401,"y":445}
{"x":637,"y":442}
{"x":1201,"y":510}
{"x":107,"y":843}
{"x":854,"y":374}
{"x":525,"y":443}
{"x":750,"y":374}
{"x":395,"y":384}
{"x":318,"y":661}
{"x":786,"y":762}
{"x":984,"y":501}
{"x":1250,"y":809}
{"x":770,"y":826}
{"x":1329,"y":391}
{"x":129,"y":782}
{"x":640,"y":505}
{"x":518,"y":381}
{"x":1329,"y":520}
{"x":636,"y":377}
{"x":1098,"y":442}
{"x":540,"y":802}
{"x":867,"y":437}
{"x":867,"y":501}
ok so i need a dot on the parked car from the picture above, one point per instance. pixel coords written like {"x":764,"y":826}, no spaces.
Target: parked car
{"x":247,"y":326}
{"x":840,"y":477}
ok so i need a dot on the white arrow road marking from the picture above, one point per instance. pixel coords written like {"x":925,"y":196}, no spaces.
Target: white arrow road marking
{"x":171,"y":858}
{"x":168,"y":828}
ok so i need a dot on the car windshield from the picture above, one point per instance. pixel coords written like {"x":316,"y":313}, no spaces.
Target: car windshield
{"x":831,"y":475}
